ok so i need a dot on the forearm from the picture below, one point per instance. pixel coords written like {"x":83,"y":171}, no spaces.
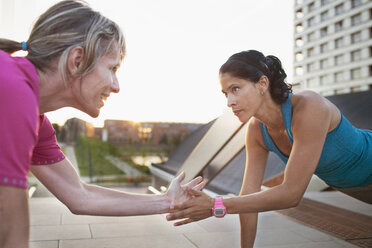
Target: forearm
{"x":81,"y":198}
{"x":279,"y":197}
{"x":96,"y":200}
{"x":248,"y":227}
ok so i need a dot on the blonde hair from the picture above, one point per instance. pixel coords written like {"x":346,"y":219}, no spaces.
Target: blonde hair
{"x":63,"y":26}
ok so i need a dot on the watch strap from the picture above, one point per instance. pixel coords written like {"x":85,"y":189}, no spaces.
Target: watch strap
{"x":218,"y":203}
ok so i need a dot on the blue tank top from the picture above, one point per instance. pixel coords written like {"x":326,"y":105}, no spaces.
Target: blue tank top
{"x":346,"y":159}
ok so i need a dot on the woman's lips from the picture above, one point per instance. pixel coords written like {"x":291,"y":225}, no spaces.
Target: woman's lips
{"x":236,"y":112}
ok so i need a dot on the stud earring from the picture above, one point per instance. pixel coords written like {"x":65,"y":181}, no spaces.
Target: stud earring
{"x":262,"y":93}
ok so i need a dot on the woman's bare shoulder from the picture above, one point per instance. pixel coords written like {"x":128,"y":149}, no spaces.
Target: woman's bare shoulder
{"x":308,"y":101}
{"x":307,"y":97}
{"x":253,"y":125}
{"x":309,"y":106}
{"x":254,"y":135}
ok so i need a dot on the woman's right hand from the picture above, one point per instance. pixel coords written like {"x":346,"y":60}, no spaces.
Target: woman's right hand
{"x":179,"y":194}
{"x":197,"y":208}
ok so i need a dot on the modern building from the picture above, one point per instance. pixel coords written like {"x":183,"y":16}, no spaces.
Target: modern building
{"x":333,"y":46}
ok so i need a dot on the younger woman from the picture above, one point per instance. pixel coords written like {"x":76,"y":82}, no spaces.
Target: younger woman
{"x":305,"y":130}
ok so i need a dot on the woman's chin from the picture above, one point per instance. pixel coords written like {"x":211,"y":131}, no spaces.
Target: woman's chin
{"x":95,"y":115}
{"x":243,"y":118}
{"x":93,"y":112}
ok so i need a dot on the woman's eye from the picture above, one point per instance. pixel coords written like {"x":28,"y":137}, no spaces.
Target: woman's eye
{"x":115,"y":68}
{"x":235,"y":89}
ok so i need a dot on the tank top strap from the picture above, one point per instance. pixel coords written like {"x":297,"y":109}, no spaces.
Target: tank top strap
{"x":266,"y":138}
{"x":287,"y":116}
{"x":269,"y":143}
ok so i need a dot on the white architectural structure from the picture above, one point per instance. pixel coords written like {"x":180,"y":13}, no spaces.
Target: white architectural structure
{"x":333,"y":46}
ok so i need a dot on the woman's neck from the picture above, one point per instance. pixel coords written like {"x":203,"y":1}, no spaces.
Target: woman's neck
{"x":270,"y":114}
{"x":53,"y":93}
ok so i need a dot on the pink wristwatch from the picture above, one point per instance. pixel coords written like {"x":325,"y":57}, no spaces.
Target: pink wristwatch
{"x":218,"y":210}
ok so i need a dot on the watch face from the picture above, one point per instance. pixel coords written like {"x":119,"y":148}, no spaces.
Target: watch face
{"x":219,"y":212}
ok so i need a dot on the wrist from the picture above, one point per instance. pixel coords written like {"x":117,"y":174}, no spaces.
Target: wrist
{"x":166,"y":203}
{"x":219,"y":209}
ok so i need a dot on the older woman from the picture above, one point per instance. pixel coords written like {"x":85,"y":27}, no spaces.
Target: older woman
{"x":73,"y":55}
{"x":305,"y":130}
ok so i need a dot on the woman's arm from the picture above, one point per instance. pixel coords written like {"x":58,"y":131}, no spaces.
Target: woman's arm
{"x":62,"y":180}
{"x":253,"y":176}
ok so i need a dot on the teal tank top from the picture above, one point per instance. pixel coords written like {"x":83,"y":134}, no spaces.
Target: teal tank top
{"x":346,"y":159}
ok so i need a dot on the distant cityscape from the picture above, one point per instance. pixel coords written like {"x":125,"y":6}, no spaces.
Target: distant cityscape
{"x":123,"y":132}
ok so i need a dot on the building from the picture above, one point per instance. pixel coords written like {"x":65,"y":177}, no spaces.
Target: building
{"x":333,"y":46}
{"x":129,"y":132}
{"x":98,"y":132}
{"x":164,"y":132}
{"x":73,"y":128}
{"x":121,"y":131}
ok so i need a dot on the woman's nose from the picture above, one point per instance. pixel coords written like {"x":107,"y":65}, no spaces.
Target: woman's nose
{"x":115,"y":86}
{"x":230,"y":100}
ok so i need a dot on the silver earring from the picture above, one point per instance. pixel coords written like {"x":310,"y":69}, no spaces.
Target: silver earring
{"x":262,"y":93}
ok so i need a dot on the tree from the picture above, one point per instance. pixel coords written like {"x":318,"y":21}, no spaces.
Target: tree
{"x":164,"y":139}
{"x":57,"y":128}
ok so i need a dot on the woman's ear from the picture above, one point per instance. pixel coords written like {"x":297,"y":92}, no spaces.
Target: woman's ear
{"x":263,"y":83}
{"x":74,"y":60}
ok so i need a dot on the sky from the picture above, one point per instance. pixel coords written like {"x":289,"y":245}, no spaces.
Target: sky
{"x":174,"y":51}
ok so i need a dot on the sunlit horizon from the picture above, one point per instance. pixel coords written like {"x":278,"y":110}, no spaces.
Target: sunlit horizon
{"x":174,"y":51}
{"x":99,"y":122}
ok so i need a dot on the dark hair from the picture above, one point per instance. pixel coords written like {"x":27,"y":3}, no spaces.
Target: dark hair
{"x":252,"y":65}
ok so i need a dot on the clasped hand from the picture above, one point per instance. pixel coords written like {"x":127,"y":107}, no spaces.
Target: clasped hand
{"x":198,"y":206}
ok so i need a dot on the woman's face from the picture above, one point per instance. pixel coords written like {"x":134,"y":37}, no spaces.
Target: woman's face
{"x":243,"y":96}
{"x":97,"y":85}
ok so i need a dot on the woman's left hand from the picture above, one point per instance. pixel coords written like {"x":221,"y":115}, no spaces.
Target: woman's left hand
{"x":197,"y":208}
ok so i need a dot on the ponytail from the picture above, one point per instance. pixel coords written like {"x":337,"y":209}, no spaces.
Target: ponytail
{"x":279,"y":90}
{"x":10,"y":46}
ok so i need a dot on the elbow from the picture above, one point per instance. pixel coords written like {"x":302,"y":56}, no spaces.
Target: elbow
{"x":78,"y":203}
{"x":293,"y":202}
{"x":75,"y":207}
{"x":75,"y":210}
{"x":294,"y":198}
